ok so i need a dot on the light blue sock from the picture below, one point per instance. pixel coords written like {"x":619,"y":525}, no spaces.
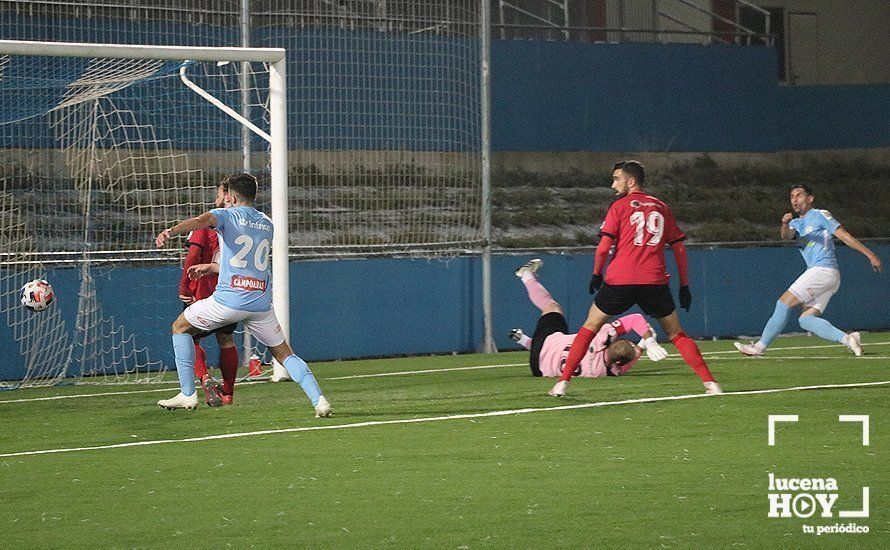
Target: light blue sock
{"x":184,"y":351}
{"x":821,"y":328}
{"x":300,"y":373}
{"x":775,"y":324}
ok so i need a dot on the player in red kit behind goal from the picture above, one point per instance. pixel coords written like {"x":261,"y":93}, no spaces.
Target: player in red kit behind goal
{"x":638,"y":226}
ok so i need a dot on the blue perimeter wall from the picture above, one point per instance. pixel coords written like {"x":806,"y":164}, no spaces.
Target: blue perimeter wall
{"x":378,"y":307}
{"x":567,"y":96}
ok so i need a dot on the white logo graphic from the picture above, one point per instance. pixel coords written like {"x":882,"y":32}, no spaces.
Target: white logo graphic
{"x":816,"y":496}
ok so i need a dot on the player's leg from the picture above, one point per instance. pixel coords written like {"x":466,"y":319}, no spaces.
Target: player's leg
{"x":538,"y":295}
{"x":210,"y":386}
{"x":811,"y":321}
{"x":774,"y":325}
{"x":549,"y":323}
{"x":200,"y":359}
{"x":264,"y":326}
{"x":228,"y":361}
{"x":211,"y":395}
{"x":689,"y":351}
{"x":184,"y":354}
{"x":811,"y":282}
{"x":657,"y":301}
{"x":609,"y":301}
{"x":202,"y":316}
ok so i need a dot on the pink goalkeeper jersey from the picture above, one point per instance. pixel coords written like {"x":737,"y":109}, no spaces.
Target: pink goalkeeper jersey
{"x":593,"y":365}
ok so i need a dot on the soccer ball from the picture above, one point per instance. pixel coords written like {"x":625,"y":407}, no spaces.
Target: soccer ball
{"x":37,"y":295}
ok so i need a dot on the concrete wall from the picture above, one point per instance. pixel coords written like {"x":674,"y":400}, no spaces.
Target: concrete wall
{"x":852,"y":45}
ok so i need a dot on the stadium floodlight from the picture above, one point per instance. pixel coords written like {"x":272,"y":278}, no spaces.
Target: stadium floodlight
{"x":103,"y":146}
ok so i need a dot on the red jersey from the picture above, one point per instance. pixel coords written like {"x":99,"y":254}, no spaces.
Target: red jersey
{"x":640,"y":226}
{"x":203,"y":245}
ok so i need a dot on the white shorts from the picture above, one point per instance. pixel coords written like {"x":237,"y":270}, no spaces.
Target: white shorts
{"x":815,"y":287}
{"x":208,"y":314}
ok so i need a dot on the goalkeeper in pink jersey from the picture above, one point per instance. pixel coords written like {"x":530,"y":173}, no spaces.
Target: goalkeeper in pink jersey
{"x":607,"y":354}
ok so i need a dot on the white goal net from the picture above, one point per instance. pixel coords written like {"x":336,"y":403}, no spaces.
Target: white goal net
{"x":383,"y":156}
{"x":99,"y":154}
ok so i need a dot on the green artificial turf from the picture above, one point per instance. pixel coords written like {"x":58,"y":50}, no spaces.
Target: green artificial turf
{"x":688,"y":473}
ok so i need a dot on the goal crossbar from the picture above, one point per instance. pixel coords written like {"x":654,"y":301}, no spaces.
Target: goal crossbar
{"x":127,"y":51}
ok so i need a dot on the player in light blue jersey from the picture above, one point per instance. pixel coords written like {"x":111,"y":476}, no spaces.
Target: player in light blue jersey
{"x":243,"y":293}
{"x":813,"y":230}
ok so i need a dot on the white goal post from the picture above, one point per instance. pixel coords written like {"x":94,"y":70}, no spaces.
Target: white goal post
{"x":274,"y":59}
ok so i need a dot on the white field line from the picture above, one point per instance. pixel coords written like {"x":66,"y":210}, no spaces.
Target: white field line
{"x":252,"y":382}
{"x":439,"y":418}
{"x":783,"y":348}
{"x":104,"y":394}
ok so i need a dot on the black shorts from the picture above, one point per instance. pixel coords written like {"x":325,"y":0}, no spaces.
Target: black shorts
{"x":655,"y":300}
{"x":549,"y":323}
{"x":225,"y":329}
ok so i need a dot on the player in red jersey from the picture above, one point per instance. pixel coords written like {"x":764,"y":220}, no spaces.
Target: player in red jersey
{"x":203,"y":247}
{"x":638,"y":226}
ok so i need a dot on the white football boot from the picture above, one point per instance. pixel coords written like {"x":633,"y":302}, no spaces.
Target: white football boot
{"x":516,"y":334}
{"x":713,"y":388}
{"x":559,"y":389}
{"x":529,"y":267}
{"x":854,"y":342}
{"x":180,"y":401}
{"x":323,"y":409}
{"x":748,"y":349}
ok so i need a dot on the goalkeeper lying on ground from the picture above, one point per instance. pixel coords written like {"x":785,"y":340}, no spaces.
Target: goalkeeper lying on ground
{"x":608,"y":355}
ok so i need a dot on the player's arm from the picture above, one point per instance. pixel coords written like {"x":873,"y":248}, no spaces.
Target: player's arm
{"x":856,"y":245}
{"x":637,"y":323}
{"x":633,"y":322}
{"x":191,"y":258}
{"x":599,"y":261}
{"x":202,"y":270}
{"x":785,"y":230}
{"x":206,"y":219}
{"x":608,"y":237}
{"x":674,"y":238}
{"x":683,"y":271}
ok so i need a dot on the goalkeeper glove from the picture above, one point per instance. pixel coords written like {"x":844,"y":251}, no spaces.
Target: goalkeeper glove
{"x":596,"y":281}
{"x":653,"y":349}
{"x":685,"y":298}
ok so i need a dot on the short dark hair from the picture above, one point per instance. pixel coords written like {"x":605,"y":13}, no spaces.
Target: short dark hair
{"x":633,"y":168}
{"x":243,"y":184}
{"x":805,"y":187}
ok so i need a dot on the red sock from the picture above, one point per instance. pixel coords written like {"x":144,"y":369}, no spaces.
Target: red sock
{"x":200,"y":364}
{"x":228,"y":364}
{"x":579,"y":347}
{"x":689,"y":350}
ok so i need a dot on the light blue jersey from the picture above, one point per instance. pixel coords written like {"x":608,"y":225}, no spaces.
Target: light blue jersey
{"x":815,"y":230}
{"x":245,"y":243}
